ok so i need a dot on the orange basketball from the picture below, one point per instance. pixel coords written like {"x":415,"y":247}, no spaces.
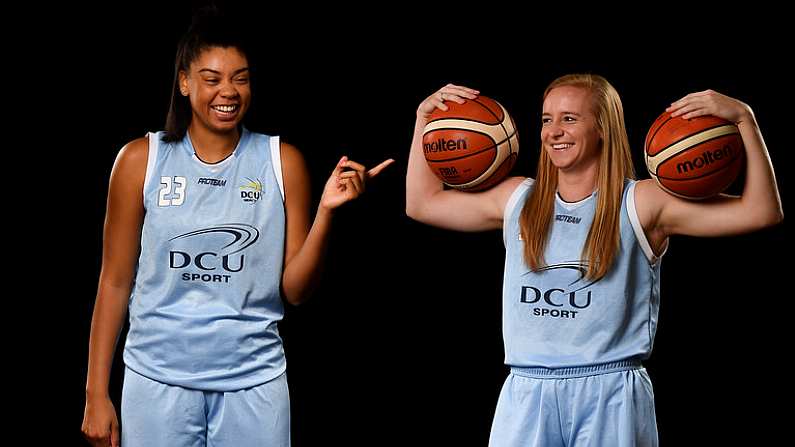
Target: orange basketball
{"x":471,"y":146}
{"x":695,"y":158}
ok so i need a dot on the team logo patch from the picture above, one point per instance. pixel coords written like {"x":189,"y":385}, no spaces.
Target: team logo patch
{"x":224,"y":256}
{"x":557,"y":301}
{"x":251,"y":191}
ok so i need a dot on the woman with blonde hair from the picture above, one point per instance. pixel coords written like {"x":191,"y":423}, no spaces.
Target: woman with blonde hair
{"x":584,"y":242}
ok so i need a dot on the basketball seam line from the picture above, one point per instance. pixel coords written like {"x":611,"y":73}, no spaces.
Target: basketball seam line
{"x":706,"y":129}
{"x":461,"y":119}
{"x":505,"y":111}
{"x":475,"y":188}
{"x":658,"y":130}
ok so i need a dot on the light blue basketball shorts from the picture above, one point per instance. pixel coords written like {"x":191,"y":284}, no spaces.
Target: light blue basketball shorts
{"x":154,"y":414}
{"x":603,"y":405}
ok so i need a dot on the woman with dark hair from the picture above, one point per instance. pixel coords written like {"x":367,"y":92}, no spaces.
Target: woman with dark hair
{"x":583,"y":245}
{"x":207,"y":228}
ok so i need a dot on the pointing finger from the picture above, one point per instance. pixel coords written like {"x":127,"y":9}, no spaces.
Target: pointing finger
{"x":376,"y":170}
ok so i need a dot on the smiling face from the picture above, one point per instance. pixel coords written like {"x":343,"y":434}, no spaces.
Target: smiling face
{"x":218,"y":86}
{"x":569,"y":131}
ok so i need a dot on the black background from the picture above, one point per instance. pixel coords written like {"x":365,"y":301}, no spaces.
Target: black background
{"x":402,"y":342}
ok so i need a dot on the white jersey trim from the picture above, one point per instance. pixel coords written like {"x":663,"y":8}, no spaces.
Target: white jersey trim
{"x":511,"y":204}
{"x":276,"y":159}
{"x":154,"y":145}
{"x":572,"y":205}
{"x":640,"y":235}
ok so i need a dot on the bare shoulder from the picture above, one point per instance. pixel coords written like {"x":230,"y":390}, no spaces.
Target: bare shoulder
{"x":132,"y":159}
{"x":292,"y":160}
{"x":136,"y":150}
{"x":649,"y":190}
{"x":511,"y":183}
{"x":645,"y":187}
{"x":649,"y":201}
{"x":127,"y":180}
{"x":294,"y":173}
{"x":504,"y":190}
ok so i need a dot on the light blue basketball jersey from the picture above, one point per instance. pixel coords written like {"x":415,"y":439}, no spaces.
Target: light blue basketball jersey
{"x":206,"y":300}
{"x":556,"y":317}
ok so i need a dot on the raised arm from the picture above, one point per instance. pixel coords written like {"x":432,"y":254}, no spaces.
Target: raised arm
{"x":305,"y":247}
{"x":759,"y":206}
{"x":426,"y":199}
{"x":121,"y":244}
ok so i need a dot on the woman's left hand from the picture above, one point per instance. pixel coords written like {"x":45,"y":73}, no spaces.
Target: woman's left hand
{"x":344,"y":186}
{"x":710,"y":102}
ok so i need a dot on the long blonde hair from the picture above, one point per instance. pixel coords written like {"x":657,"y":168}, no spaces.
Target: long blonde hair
{"x":615,"y":164}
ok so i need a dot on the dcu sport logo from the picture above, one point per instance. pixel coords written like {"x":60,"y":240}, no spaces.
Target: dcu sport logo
{"x":251,"y":192}
{"x":559,"y":303}
{"x":217,"y":265}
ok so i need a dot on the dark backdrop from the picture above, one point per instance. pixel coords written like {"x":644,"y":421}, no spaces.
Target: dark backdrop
{"x":402,"y":342}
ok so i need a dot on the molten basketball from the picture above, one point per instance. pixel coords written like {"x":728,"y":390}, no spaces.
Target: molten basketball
{"x":471,"y":146}
{"x":695,"y":158}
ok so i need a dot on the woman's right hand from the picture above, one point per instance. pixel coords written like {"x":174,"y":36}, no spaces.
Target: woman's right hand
{"x":100,"y":424}
{"x":449,"y":92}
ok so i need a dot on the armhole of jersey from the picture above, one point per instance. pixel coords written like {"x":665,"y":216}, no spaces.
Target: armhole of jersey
{"x":511,"y":204}
{"x":151,"y":158}
{"x":637,"y":228}
{"x":276,"y":160}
